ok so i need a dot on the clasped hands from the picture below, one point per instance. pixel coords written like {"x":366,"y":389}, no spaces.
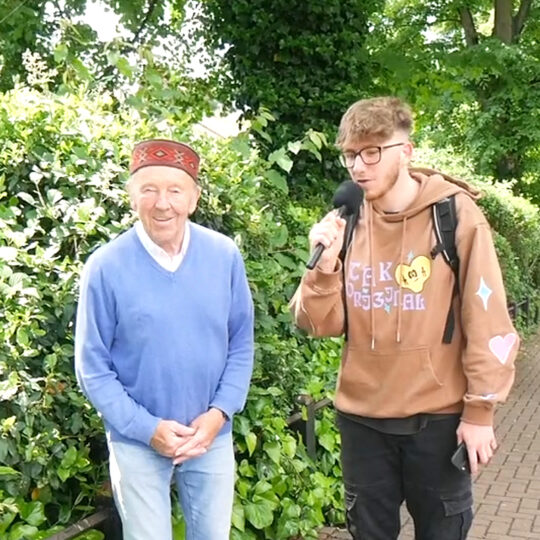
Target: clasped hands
{"x":181,"y":442}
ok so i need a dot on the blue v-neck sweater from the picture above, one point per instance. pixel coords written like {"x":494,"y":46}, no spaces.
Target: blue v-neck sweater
{"x":152,"y":344}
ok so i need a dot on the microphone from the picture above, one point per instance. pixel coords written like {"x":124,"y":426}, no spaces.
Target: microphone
{"x":347,"y":199}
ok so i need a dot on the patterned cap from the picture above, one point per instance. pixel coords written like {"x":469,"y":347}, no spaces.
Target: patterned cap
{"x":165,"y":153}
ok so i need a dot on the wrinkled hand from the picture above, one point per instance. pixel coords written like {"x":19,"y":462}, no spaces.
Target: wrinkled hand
{"x":169,"y":435}
{"x":328,"y":232}
{"x":207,"y":426}
{"x":480,"y":442}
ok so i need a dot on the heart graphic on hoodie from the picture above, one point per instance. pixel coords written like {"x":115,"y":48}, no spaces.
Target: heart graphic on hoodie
{"x":501,"y":346}
{"x":414,"y":276}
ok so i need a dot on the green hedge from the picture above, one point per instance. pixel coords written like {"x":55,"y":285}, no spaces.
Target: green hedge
{"x":515,"y":222}
{"x":62,"y":173}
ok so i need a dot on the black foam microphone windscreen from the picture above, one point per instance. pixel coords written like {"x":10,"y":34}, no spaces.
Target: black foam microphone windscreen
{"x":347,"y":200}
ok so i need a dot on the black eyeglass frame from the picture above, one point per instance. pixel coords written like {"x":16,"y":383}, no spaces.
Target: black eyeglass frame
{"x":351,"y":156}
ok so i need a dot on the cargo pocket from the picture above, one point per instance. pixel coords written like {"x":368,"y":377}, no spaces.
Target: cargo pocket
{"x":458,"y":511}
{"x":351,"y":515}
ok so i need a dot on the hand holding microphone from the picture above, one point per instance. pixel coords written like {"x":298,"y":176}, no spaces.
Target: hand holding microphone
{"x":326,"y":237}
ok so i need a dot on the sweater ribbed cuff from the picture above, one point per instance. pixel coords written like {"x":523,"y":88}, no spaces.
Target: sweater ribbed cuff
{"x":324,"y":281}
{"x":478,"y":414}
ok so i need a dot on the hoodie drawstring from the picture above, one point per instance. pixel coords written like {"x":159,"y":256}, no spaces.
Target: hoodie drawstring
{"x":372,"y":311}
{"x":400,"y":262}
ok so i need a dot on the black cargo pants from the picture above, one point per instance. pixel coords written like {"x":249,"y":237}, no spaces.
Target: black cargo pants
{"x":382,"y":470}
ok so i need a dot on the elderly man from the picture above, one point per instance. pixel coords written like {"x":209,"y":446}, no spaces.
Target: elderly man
{"x":164,"y":351}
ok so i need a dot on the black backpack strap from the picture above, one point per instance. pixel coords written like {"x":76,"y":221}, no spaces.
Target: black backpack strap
{"x":445,"y":223}
{"x":347,"y":239}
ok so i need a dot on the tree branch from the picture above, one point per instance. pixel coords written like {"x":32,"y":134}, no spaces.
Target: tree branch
{"x":144,"y":22}
{"x":471,"y":36}
{"x":60,"y":10}
{"x":520,"y":18}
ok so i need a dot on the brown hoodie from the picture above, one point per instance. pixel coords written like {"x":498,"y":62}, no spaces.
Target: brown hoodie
{"x":394,"y":363}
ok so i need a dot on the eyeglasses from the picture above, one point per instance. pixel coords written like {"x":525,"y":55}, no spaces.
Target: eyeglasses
{"x":370,"y":155}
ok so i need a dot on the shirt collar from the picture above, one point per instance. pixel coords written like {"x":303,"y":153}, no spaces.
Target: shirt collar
{"x":165,"y":260}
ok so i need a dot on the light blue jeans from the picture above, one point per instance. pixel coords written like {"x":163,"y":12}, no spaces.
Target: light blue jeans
{"x":141,"y":480}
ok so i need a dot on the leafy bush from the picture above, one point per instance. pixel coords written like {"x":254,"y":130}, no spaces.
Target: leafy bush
{"x":63,"y":160}
{"x":514,"y":220}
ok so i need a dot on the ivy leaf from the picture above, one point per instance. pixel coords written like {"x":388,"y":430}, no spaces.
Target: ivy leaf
{"x":239,"y":517}
{"x":60,"y":53}
{"x":328,"y":441}
{"x":294,"y":147}
{"x":251,"y":442}
{"x":280,"y":158}
{"x":277,"y":180}
{"x":240,"y":145}
{"x":21,"y":531}
{"x":69,"y":457}
{"x":273,"y":450}
{"x":33,"y":512}
{"x":8,"y":471}
{"x":289,"y":447}
{"x":6,"y":518}
{"x":315,"y":138}
{"x":63,"y":474}
{"x":286,"y":261}
{"x":9,"y":386}
{"x":22,"y":336}
{"x":259,"y":513}
{"x":281,"y":236}
{"x":241,"y":424}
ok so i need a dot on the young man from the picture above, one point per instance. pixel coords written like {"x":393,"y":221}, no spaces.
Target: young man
{"x":164,"y":351}
{"x":408,"y":391}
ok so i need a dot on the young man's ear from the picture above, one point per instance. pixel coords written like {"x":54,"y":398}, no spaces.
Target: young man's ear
{"x":407,"y":152}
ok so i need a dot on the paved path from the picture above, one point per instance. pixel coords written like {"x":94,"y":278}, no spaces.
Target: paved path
{"x":507,"y":492}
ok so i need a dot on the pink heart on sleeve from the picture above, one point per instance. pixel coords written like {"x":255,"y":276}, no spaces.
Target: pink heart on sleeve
{"x":501,"y":346}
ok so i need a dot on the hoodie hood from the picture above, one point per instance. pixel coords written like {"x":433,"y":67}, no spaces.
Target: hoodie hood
{"x":434,"y":186}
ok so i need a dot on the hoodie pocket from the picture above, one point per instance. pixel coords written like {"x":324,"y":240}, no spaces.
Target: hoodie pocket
{"x":388,"y":384}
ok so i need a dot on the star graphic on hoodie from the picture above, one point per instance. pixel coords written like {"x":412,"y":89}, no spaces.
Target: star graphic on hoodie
{"x":484,"y":292}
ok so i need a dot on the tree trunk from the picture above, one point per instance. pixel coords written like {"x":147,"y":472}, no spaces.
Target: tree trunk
{"x":467,"y":21}
{"x":520,"y":18}
{"x":503,"y":21}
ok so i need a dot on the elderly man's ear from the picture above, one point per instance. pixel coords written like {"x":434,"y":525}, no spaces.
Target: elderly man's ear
{"x":194,"y":200}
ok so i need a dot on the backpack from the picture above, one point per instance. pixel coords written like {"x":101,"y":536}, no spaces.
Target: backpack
{"x":444,"y":224}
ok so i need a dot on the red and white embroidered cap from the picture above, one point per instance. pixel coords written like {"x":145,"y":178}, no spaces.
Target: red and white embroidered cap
{"x":165,"y":153}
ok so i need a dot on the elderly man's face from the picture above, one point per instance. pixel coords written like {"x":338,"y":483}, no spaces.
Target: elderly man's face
{"x":164,"y":198}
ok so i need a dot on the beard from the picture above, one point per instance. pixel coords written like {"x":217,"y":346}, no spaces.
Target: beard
{"x":386,"y":183}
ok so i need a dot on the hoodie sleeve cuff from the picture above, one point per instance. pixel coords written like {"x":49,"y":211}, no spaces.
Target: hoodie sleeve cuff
{"x":479,"y":415}
{"x":324,"y":281}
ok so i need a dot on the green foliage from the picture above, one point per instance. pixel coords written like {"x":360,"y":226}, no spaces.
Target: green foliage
{"x":54,"y":30}
{"x":63,"y":159}
{"x":304,"y":61}
{"x":59,"y":174}
{"x":471,"y":88}
{"x":514,"y":220}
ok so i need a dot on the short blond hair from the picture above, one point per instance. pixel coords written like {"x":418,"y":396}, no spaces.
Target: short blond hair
{"x":375,"y":118}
